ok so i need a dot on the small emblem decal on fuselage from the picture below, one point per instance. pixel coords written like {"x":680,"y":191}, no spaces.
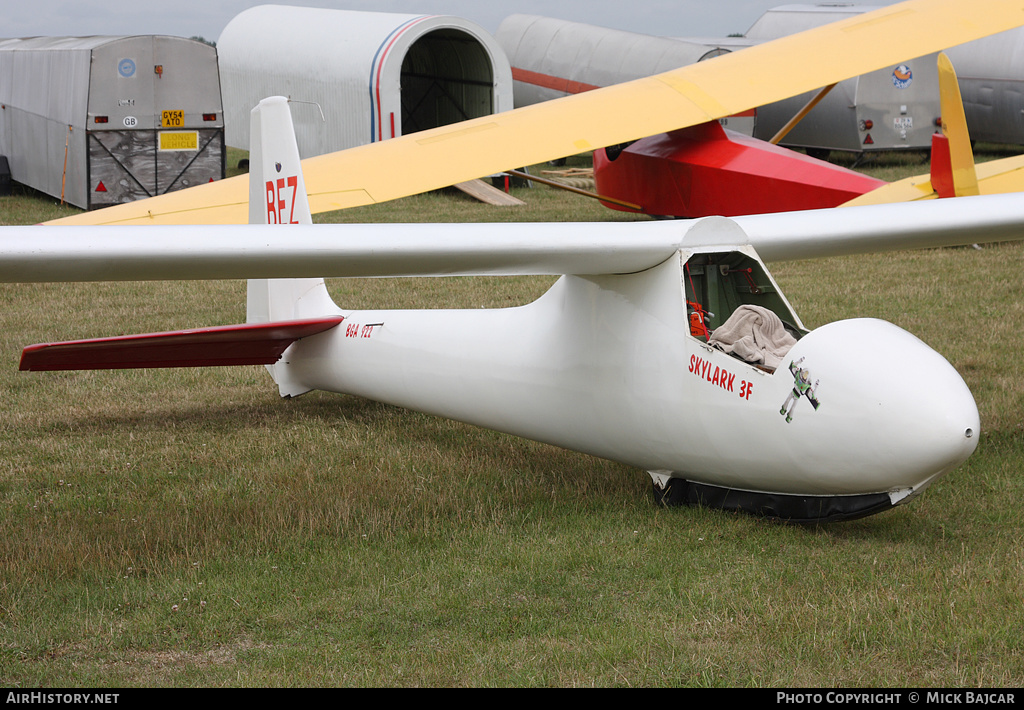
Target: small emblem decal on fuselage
{"x":802,"y":387}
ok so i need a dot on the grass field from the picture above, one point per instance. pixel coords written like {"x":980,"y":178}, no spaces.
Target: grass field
{"x":190,"y":528}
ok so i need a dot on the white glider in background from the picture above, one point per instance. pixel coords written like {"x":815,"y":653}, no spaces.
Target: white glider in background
{"x":665,"y":346}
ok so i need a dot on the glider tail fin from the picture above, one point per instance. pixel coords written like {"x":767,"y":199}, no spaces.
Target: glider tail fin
{"x":952,"y":172}
{"x":277,"y":196}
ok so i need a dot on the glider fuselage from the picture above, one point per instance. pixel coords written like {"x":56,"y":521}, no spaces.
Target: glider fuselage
{"x":608,"y":365}
{"x":615,"y":360}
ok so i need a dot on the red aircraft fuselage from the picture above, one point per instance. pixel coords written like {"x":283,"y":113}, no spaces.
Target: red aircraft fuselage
{"x":707,"y":170}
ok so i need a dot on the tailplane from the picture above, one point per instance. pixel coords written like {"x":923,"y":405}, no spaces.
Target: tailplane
{"x":279,"y":311}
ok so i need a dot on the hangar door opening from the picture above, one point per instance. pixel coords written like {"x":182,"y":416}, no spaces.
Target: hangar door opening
{"x":446,"y":77}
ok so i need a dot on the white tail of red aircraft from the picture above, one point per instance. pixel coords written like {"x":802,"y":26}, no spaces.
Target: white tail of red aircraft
{"x":666,"y":346}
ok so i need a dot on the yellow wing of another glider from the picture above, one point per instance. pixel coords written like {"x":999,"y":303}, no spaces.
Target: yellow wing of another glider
{"x":683,"y":97}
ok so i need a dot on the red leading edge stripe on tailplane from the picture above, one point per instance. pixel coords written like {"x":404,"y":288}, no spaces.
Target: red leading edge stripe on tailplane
{"x":246,"y":344}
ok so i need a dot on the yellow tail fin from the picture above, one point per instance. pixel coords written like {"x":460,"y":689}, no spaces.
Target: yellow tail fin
{"x":952,"y":168}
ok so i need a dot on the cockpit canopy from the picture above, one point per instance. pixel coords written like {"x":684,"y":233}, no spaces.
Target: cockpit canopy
{"x":734,"y":304}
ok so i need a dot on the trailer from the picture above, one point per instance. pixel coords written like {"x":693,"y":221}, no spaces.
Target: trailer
{"x":99,"y":121}
{"x":891,"y":109}
{"x":990,"y":72}
{"x":552,"y":58}
{"x":896,"y":108}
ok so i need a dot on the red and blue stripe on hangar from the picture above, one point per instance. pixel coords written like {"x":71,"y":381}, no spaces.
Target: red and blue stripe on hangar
{"x":374,"y":75}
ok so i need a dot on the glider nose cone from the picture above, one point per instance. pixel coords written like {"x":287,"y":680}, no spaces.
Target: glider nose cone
{"x":901,"y":415}
{"x":941,"y":429}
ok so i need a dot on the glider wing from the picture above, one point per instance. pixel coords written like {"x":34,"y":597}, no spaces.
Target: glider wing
{"x":40,"y":253}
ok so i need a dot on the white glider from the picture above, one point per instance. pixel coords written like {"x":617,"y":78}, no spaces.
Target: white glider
{"x":622,"y":358}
